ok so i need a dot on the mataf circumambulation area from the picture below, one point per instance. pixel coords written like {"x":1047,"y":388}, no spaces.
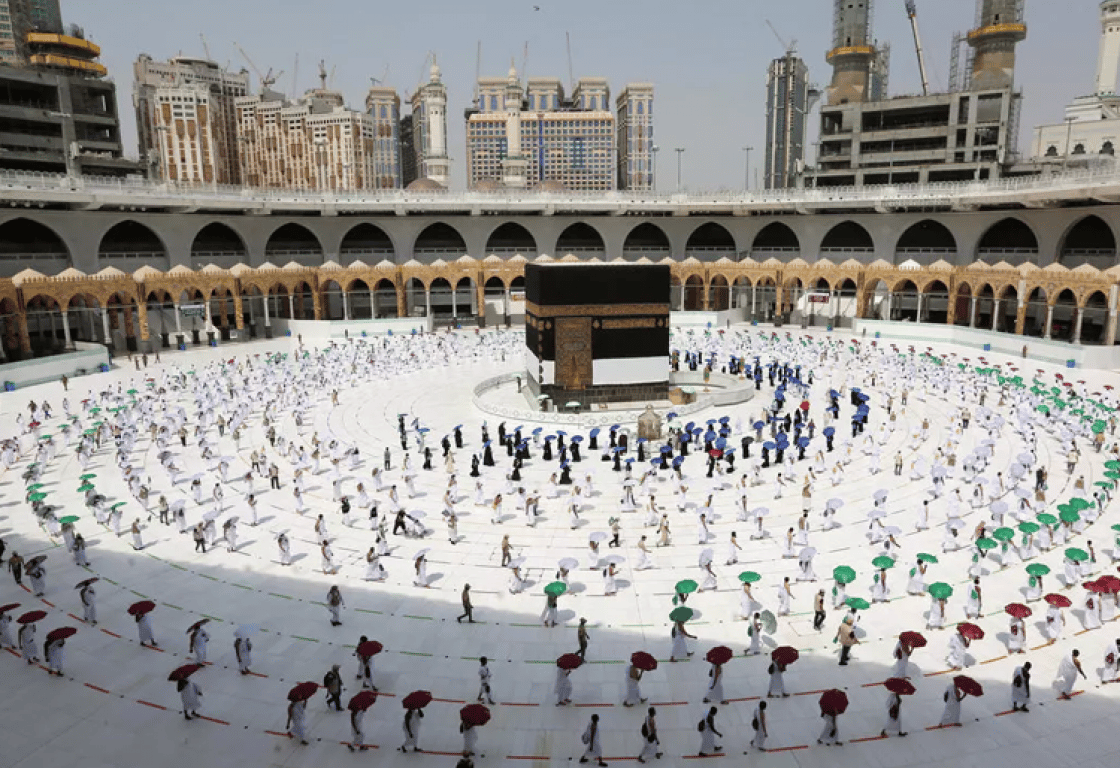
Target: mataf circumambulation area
{"x":935,"y":516}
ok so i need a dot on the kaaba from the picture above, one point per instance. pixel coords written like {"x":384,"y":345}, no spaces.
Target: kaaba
{"x":597,"y":333}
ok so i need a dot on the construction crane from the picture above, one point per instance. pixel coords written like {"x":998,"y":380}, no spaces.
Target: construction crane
{"x":912,"y":12}
{"x":267,"y":79}
{"x":571,"y":77}
{"x":791,"y":46}
{"x":376,"y":81}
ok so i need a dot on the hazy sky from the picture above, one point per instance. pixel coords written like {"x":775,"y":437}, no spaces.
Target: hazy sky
{"x":707,"y":58}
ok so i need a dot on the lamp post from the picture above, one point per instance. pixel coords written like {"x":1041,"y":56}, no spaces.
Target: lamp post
{"x":747,"y":169}
{"x":680,"y":154}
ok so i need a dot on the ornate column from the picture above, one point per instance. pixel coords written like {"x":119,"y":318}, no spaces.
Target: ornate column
{"x":238,"y":310}
{"x":345,"y":306}
{"x":995,"y":314}
{"x":66,"y":328}
{"x":1077,"y":326}
{"x":292,"y":306}
{"x":209,"y":319}
{"x":142,"y":321}
{"x":454,"y":303}
{"x":1110,"y":329}
{"x":104,"y":328}
{"x":178,"y":319}
{"x":24,"y":333}
{"x":920,"y":297}
{"x":890,"y":296}
{"x":427,"y":301}
{"x":1049,"y":320}
{"x":1020,"y":317}
{"x":972,"y":302}
{"x":951,"y":314}
{"x":267,"y":319}
{"x":754,"y":300}
{"x":706,"y":299}
{"x":402,"y":299}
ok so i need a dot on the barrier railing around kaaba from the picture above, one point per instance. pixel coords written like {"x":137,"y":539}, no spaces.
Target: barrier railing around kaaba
{"x":738,"y":391}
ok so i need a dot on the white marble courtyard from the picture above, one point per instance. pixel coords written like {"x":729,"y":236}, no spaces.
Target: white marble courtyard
{"x":114,"y":706}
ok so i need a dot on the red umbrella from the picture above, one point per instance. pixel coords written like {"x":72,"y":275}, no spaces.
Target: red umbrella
{"x":1109,"y":582}
{"x":362,"y":701}
{"x":901,"y":686}
{"x":1058,"y":601}
{"x":61,"y":633}
{"x":834,"y":702}
{"x":86,"y":583}
{"x":913,"y":639}
{"x":474,"y":714}
{"x":721,"y":654}
{"x":31,"y":617}
{"x":185,"y":671}
{"x":971,"y":631}
{"x":8,"y":607}
{"x":303,"y":691}
{"x":196,"y":625}
{"x":784,"y":655}
{"x":1018,"y":610}
{"x":643,"y":661}
{"x":417,"y":700}
{"x":369,"y":648}
{"x":804,"y":405}
{"x":142,"y":607}
{"x":569,"y":661}
{"x":968,"y":685}
{"x":1095,"y":587}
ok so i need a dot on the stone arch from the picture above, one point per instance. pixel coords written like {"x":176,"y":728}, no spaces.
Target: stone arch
{"x":1064,"y":315}
{"x":330,"y":300}
{"x":962,"y":304}
{"x":935,"y":302}
{"x":925,"y":242}
{"x":11,"y":327}
{"x":776,"y":240}
{"x":440,"y":295}
{"x":845,"y":300}
{"x":160,"y":308}
{"x":765,"y":299}
{"x":1009,"y":239}
{"x":366,"y":242}
{"x":741,"y":293}
{"x":303,"y":299}
{"x":439,"y":240}
{"x":121,"y":309}
{"x":223,"y":310}
{"x":359,"y":301}
{"x":218,"y":244}
{"x":1094,"y":318}
{"x":693,"y":293}
{"x":465,"y":297}
{"x":847,"y":237}
{"x":385,"y":298}
{"x":711,"y":242}
{"x":719,"y":293}
{"x":1090,"y":240}
{"x":279,"y":301}
{"x":875,"y":300}
{"x":25,"y":243}
{"x":129,"y":245}
{"x":415,"y":298}
{"x":293,"y":242}
{"x":43,"y":315}
{"x":581,"y":239}
{"x":648,"y":240}
{"x":511,"y":238}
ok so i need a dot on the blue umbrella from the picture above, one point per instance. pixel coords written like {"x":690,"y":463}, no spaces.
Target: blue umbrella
{"x":629,"y":460}
{"x":538,"y":430}
{"x":678,"y":461}
{"x":643,"y":440}
{"x":721,"y":443}
{"x":729,"y":452}
{"x":709,"y":435}
{"x":423,"y":430}
{"x":519,"y":426}
{"x":655,"y":462}
{"x":770,"y":446}
{"x":457,"y":426}
{"x":561,"y":432}
{"x":803,"y":442}
{"x":595,"y":432}
{"x":698,"y":431}
{"x":577,"y":439}
{"x":689,"y":426}
{"x":549,"y":437}
{"x":758,"y":425}
{"x":665,"y":449}
{"x":724,"y":419}
{"x":711,"y":422}
{"x":857,"y":390}
{"x":563,"y":465}
{"x":617,"y":450}
{"x":671,"y":415}
{"x":487,"y":444}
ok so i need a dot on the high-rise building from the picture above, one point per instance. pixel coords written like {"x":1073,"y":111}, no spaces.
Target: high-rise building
{"x":634,"y":108}
{"x":789,"y":98}
{"x":20,"y":17}
{"x":537,"y":137}
{"x":313,"y":143}
{"x":423,"y":134}
{"x":961,"y":135}
{"x":383,"y":106}
{"x":186,"y":118}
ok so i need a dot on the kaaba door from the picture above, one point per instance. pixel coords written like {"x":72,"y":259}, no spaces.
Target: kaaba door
{"x":574,"y":368}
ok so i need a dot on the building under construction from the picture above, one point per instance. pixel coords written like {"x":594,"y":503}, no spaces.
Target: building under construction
{"x":966,"y":132}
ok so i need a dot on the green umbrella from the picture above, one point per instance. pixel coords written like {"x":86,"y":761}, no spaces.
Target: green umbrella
{"x":1069,"y":516}
{"x":37,"y":496}
{"x":844,"y":574}
{"x":1112,"y":474}
{"x":749,"y":577}
{"x":985,"y":544}
{"x":1028,"y":527}
{"x":940,"y":590}
{"x":926,"y":558}
{"x":857,"y":603}
{"x":883,"y":562}
{"x":1046,"y":518}
{"x":1098,"y":427}
{"x":1105,"y":484}
{"x":686,"y":587}
{"x":1077,"y":555}
{"x":85,"y":487}
{"x":683,"y":613}
{"x":87,"y":476}
{"x":1044,"y":409}
{"x":90,"y":432}
{"x":556,"y":588}
{"x":35,"y":486}
{"x":1079,"y":503}
{"x":118,"y":504}
{"x":69,"y":519}
{"x":1113,"y":464}
{"x":1038,"y":569}
{"x":1116,"y":527}
{"x":1003,"y":534}
{"x":133,"y":391}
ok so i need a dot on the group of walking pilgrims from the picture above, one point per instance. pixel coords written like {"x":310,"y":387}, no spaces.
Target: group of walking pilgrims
{"x":859,"y":474}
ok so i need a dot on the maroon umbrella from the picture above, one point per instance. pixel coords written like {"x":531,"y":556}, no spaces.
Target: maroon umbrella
{"x":185,"y":671}
{"x":86,"y":583}
{"x":1018,"y":610}
{"x":196,"y":625}
{"x":569,"y":661}
{"x":369,"y":648}
{"x":31,"y":617}
{"x":1095,"y":587}
{"x":900,"y":685}
{"x":303,"y":691}
{"x":142,"y":607}
{"x":833,"y":702}
{"x":362,"y":701}
{"x":643,"y":661}
{"x":474,"y":714}
{"x":1058,"y":601}
{"x":1109,"y":582}
{"x":970,"y":631}
{"x":61,"y":633}
{"x":721,"y":654}
{"x":8,"y":607}
{"x":968,"y":685}
{"x":785,"y":655}
{"x":417,"y":700}
{"x":913,"y":639}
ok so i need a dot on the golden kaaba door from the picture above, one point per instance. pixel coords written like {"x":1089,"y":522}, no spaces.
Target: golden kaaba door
{"x":573,"y":352}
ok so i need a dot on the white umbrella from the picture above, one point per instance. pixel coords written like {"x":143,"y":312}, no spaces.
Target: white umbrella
{"x":706,"y":556}
{"x":517,"y":562}
{"x":568,"y":564}
{"x":421,"y":553}
{"x":807,"y":553}
{"x":614,"y":559}
{"x":892,"y":530}
{"x":955,"y":523}
{"x":1024,"y":493}
{"x":880,"y":494}
{"x":998,"y":507}
{"x":246,"y":630}
{"x":598,"y":536}
{"x":834,"y":503}
{"x":417,"y":513}
{"x":211,"y":515}
{"x":1025,"y":459}
{"x":876,"y":514}
{"x":760,"y":511}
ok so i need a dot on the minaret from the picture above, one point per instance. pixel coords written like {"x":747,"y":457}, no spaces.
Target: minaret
{"x":1108,"y":60}
{"x":437,"y":165}
{"x":1001,"y":28}
{"x":514,"y":165}
{"x":852,"y":52}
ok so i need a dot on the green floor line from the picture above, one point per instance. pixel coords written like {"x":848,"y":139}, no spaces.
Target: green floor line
{"x":305,"y":639}
{"x":277,"y":594}
{"x":169,"y":605}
